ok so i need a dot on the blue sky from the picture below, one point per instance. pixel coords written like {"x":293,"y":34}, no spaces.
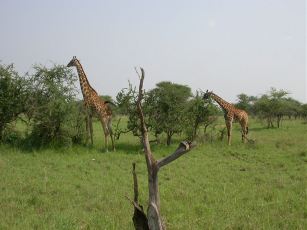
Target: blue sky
{"x":230,"y":47}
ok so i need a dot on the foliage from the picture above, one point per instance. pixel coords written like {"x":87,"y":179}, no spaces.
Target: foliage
{"x":292,"y":108}
{"x":304,"y":111}
{"x":272,"y":106}
{"x":57,"y":117}
{"x":166,"y":108}
{"x":12,"y":96}
{"x":126,"y":102}
{"x":246,"y":103}
{"x":199,"y":113}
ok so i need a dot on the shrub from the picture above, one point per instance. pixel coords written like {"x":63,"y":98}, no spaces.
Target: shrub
{"x":57,"y":118}
{"x":12,"y":96}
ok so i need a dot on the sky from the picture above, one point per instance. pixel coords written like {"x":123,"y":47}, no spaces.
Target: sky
{"x":230,"y":47}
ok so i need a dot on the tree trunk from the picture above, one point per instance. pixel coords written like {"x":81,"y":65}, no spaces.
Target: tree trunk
{"x":153,"y":212}
{"x":2,"y":127}
{"x":168,"y":140}
{"x":270,"y":122}
{"x":139,"y":218}
{"x":195,"y":128}
{"x":169,"y":137}
{"x":279,"y":118}
{"x":205,"y":129}
{"x":157,"y":138}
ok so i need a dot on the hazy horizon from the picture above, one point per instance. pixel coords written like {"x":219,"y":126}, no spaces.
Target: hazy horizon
{"x":228,"y":47}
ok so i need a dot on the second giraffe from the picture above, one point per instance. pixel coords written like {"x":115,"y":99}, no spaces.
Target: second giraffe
{"x":231,"y":113}
{"x":92,"y":100}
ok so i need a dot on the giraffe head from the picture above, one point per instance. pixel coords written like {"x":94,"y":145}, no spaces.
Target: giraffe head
{"x":207,"y":95}
{"x":73,"y":62}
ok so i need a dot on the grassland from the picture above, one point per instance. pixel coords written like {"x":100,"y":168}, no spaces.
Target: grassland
{"x":215,"y":186}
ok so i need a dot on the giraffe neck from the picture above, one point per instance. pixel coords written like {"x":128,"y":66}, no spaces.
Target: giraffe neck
{"x":226,"y":106}
{"x":86,"y":88}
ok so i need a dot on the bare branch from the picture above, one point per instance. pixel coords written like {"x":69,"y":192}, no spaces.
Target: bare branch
{"x":184,"y":147}
{"x":137,"y":72}
{"x":139,"y":104}
{"x":139,"y":218}
{"x":148,"y":154}
{"x":135,"y":184}
{"x":153,"y":219}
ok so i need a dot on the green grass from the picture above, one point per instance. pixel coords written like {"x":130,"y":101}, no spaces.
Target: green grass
{"x":215,"y":186}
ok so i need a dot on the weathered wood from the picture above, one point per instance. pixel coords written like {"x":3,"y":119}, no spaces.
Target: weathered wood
{"x":139,"y":217}
{"x":153,"y":212}
{"x":183,"y":148}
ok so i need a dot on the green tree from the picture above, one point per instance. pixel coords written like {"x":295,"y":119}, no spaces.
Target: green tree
{"x":272,"y":106}
{"x":246,"y":102}
{"x":164,"y":109}
{"x":166,"y":105}
{"x":303,"y":111}
{"x":126,"y":103}
{"x":12,"y":96}
{"x":293,"y":108}
{"x":199,"y":113}
{"x":57,"y":117}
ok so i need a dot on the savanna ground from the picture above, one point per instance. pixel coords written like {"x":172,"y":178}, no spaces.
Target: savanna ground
{"x":261,"y":185}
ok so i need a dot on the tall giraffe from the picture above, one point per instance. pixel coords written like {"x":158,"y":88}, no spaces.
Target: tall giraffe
{"x":93,"y":101}
{"x":231,"y":113}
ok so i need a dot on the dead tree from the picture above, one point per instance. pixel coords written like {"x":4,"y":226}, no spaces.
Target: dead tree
{"x":139,"y":218}
{"x":153,"y":218}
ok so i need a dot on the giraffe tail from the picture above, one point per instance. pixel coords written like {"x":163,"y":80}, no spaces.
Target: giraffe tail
{"x":110,"y":102}
{"x":247,"y":130}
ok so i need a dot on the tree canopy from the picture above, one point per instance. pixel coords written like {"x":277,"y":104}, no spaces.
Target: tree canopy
{"x":13,"y":94}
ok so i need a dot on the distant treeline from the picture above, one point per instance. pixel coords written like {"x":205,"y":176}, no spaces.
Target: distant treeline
{"x":46,"y":103}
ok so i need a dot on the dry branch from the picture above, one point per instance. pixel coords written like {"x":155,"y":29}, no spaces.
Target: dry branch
{"x":139,"y":217}
{"x":183,"y":148}
{"x":135,"y":184}
{"x":153,"y":212}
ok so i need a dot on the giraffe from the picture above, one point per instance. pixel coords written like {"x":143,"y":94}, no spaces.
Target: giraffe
{"x":231,"y":113}
{"x":93,"y":101}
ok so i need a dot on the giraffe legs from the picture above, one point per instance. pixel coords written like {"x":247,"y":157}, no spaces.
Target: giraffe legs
{"x":106,"y":142}
{"x":244,"y":131}
{"x":107,"y":129}
{"x":229,"y":129}
{"x":106,"y":133}
{"x":89,"y":126}
{"x":111,"y":133}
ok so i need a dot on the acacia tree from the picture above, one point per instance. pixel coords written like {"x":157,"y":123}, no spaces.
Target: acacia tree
{"x":272,"y":106}
{"x":292,"y":108}
{"x":57,"y":117}
{"x":13,"y":95}
{"x":198,"y":113}
{"x":303,"y":112}
{"x":126,"y":101}
{"x":167,"y":105}
{"x":246,"y":103}
{"x":164,"y":108}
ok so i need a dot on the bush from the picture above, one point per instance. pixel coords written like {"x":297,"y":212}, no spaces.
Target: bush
{"x":12,"y":96}
{"x":57,"y":118}
{"x":12,"y":136}
{"x":198,"y":113}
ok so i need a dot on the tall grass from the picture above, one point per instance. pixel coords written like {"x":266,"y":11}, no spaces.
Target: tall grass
{"x":260,"y":185}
